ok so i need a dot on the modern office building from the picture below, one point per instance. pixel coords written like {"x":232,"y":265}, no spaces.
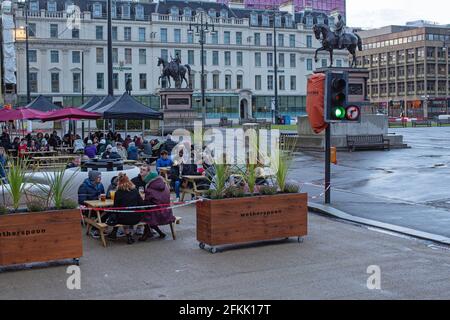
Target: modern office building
{"x":326,"y":6}
{"x":239,"y":57}
{"x":409,"y":69}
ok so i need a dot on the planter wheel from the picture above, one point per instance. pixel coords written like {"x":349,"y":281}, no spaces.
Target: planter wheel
{"x":201,"y":245}
{"x":213,"y":250}
{"x":300,"y":240}
{"x":76,"y":261}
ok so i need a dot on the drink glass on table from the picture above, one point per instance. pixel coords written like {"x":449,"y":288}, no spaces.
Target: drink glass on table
{"x":103,"y":197}
{"x":142,"y":192}
{"x":112,"y":194}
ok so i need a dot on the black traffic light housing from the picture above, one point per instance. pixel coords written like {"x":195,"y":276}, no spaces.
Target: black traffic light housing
{"x":337,"y":108}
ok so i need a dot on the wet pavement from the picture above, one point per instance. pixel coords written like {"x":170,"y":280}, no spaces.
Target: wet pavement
{"x":406,"y":187}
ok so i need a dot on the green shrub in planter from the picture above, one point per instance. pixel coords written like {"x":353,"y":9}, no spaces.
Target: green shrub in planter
{"x":3,"y":210}
{"x":268,"y":190}
{"x":68,"y":204}
{"x":234,"y":192}
{"x":36,"y":206}
{"x":291,"y":188}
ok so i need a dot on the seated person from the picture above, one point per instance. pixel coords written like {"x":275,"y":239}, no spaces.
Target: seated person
{"x":101,"y":147}
{"x":132,"y":151}
{"x":76,"y":163}
{"x":23,"y":147}
{"x":139,"y":181}
{"x":163,"y":161}
{"x":110,"y":153}
{"x":3,"y":161}
{"x":147,"y":148}
{"x":121,"y":150}
{"x":112,"y":187}
{"x":156,"y":146}
{"x":78,"y":145}
{"x":157,"y":193}
{"x":90,"y":150}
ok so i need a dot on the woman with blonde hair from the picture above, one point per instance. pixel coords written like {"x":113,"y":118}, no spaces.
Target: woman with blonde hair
{"x":126,"y":196}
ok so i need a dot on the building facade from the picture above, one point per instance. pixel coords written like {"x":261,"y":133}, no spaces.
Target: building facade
{"x":239,"y":57}
{"x":409,"y":69}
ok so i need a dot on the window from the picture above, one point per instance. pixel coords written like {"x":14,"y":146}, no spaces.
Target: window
{"x":257,"y":82}
{"x":76,"y":82}
{"x":113,"y":10}
{"x":53,"y":30}
{"x":165,"y":54}
{"x":191,"y":57}
{"x":142,"y":56}
{"x":33,"y":82}
{"x":75,"y":33}
{"x":239,"y":81}
{"x":239,"y":59}
{"x":54,"y":56}
{"x":76,"y":57}
{"x":282,"y":84}
{"x":34,"y":6}
{"x":324,"y":63}
{"x":99,"y":32}
{"x":278,"y":21}
{"x":270,"y":59}
{"x":215,"y":38}
{"x":288,"y":21}
{"x":309,"y":21}
{"x":269,"y":82}
{"x":32,"y":55}
{"x":126,"y":11}
{"x":257,"y":59}
{"x":139,"y":12}
{"x":227,"y":58}
{"x":142,"y":81}
{"x":292,"y":60}
{"x":115,"y":55}
{"x":54,"y":82}
{"x":253,"y":19}
{"x":339,"y":63}
{"x":128,"y":56}
{"x":51,"y":6}
{"x":292,"y":40}
{"x":215,"y":58}
{"x":265,"y":20}
{"x":226,"y":37}
{"x":114,"y":33}
{"x":309,"y":41}
{"x":100,"y":81}
{"x":127,"y":33}
{"x":281,"y":40}
{"x":205,"y":58}
{"x":269,"y":39}
{"x":32,"y":29}
{"x":257,"y":39}
{"x":130,"y":77}
{"x":174,"y":11}
{"x":293,"y":83}
{"x":212,"y":13}
{"x":281,"y":60}
{"x":141,"y":34}
{"x":163,"y":35}
{"x":238,"y":37}
{"x":227,"y":82}
{"x":190,"y":37}
{"x":309,"y":64}
{"x":99,"y":55}
{"x":215,"y":81}
{"x":224,"y":13}
{"x":116,"y":81}
{"x":177,"y":35}
{"x":97,"y":10}
{"x":187,"y":12}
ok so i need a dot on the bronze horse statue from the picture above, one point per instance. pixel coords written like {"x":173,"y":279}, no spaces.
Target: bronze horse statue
{"x":351,"y":42}
{"x":175,"y":71}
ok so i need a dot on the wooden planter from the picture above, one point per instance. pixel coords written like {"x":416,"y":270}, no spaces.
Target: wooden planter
{"x":242,"y":220}
{"x":40,"y":237}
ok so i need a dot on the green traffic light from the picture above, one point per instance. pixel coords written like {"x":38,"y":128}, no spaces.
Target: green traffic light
{"x":339,"y":113}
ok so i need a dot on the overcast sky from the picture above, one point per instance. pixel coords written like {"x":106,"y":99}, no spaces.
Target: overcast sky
{"x":378,"y":13}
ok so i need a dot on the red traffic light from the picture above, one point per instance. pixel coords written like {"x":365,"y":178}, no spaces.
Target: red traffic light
{"x":339,"y":84}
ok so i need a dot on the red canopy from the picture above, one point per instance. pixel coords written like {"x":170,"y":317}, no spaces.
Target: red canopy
{"x":70,"y":114}
{"x":21,"y":114}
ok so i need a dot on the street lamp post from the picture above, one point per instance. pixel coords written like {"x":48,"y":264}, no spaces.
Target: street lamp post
{"x":275,"y":66}
{"x":201,"y":28}
{"x":24,"y":4}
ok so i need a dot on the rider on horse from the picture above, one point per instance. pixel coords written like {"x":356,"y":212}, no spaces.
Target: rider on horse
{"x":339,"y":29}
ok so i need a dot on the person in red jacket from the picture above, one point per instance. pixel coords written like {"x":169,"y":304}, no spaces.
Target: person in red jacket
{"x":23,"y":147}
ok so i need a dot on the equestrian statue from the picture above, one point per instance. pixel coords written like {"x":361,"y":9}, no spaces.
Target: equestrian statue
{"x":337,"y":39}
{"x":174,"y":70}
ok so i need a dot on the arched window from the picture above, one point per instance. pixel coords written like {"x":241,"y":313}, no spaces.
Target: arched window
{"x":254,"y":19}
{"x":174,"y":11}
{"x":187,"y":12}
{"x":139,"y":12}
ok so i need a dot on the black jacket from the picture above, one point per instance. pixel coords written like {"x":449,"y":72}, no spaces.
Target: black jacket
{"x":130,"y":198}
{"x":138,"y":182}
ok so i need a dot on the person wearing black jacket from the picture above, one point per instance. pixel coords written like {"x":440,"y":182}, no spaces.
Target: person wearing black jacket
{"x":127,"y":195}
{"x":139,"y":181}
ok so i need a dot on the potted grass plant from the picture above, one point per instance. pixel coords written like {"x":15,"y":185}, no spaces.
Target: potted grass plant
{"x":239,"y":211}
{"x":47,"y":227}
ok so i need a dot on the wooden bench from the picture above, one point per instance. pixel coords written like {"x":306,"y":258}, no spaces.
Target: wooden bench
{"x":425,"y":123}
{"x":368,"y":142}
{"x":194,"y":190}
{"x":442,"y":122}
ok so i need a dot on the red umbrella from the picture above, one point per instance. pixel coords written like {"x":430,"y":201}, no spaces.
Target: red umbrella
{"x":21,"y":114}
{"x":70,"y":114}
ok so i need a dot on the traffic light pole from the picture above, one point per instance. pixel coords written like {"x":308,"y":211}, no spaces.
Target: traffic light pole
{"x":328,"y":164}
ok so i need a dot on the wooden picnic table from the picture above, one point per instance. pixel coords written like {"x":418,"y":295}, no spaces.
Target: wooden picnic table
{"x":94,"y":218}
{"x":65,"y":149}
{"x":37,"y":153}
{"x":194,"y":190}
{"x":164,"y":172}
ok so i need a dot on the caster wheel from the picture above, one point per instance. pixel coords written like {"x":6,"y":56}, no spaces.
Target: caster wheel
{"x":201,"y":245}
{"x":300,"y":240}
{"x":213,"y":250}
{"x":76,"y":261}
